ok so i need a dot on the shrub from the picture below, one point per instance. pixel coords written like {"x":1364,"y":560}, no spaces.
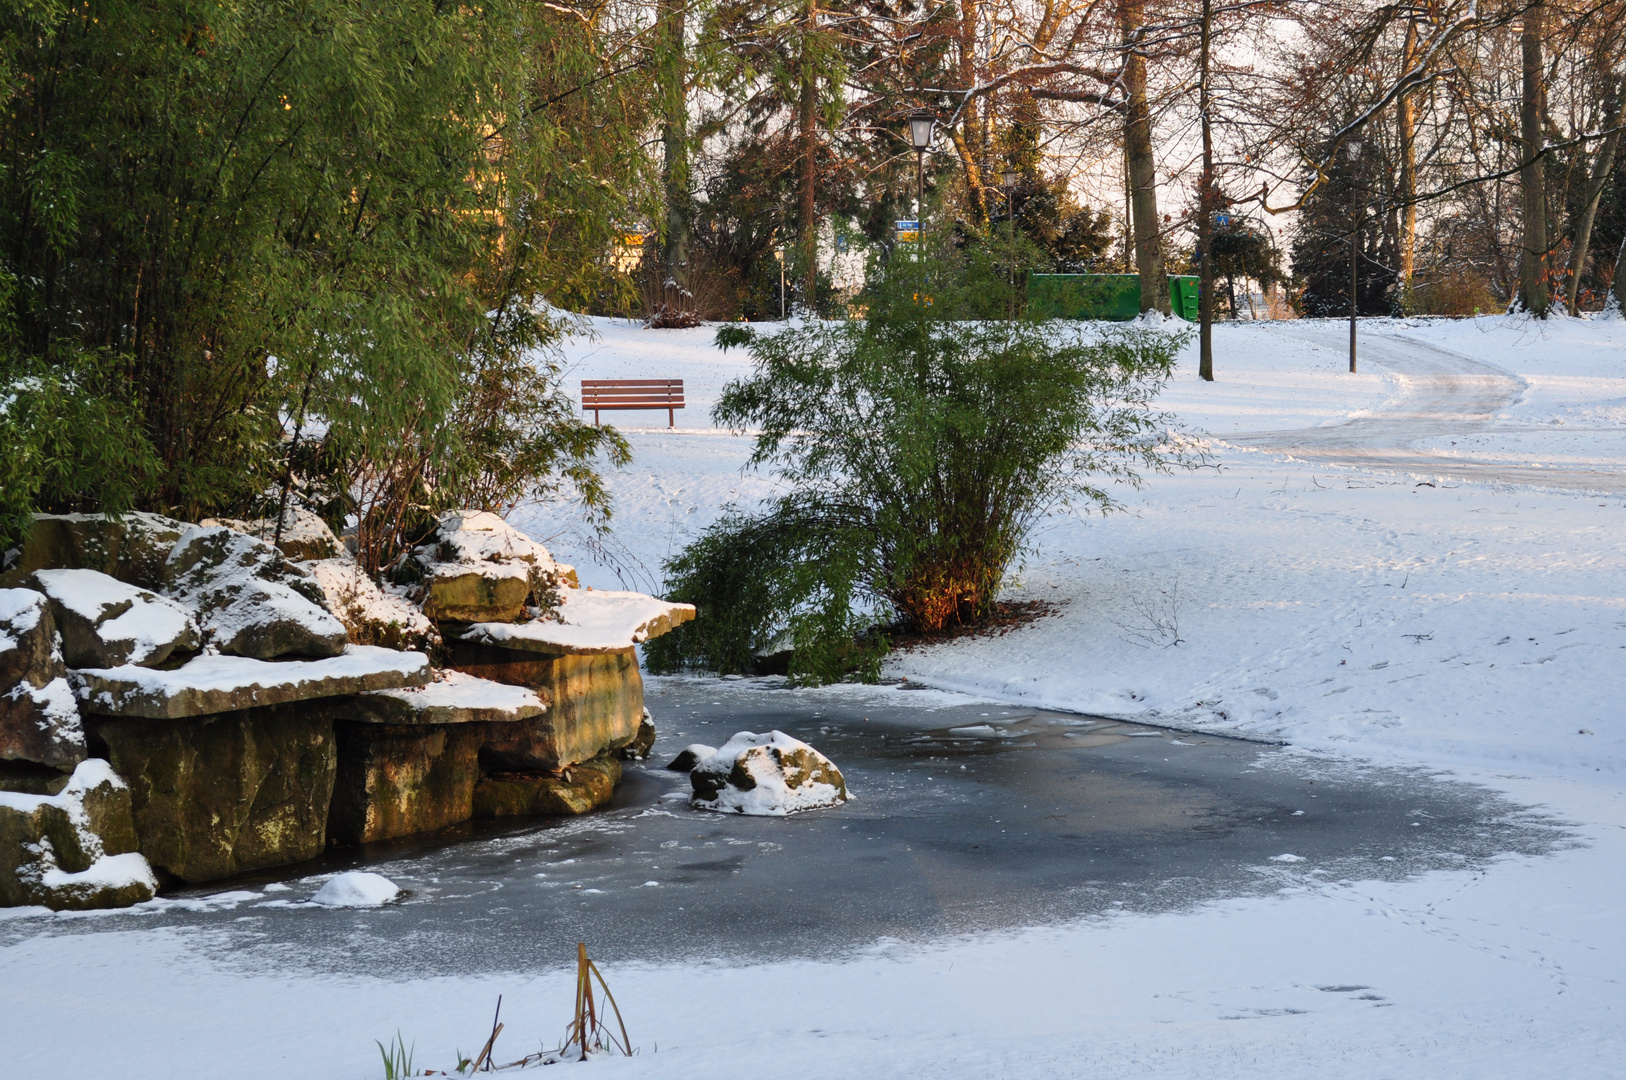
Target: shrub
{"x":919,"y":449}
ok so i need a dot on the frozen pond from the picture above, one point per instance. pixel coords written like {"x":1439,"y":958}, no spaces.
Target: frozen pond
{"x":966,"y":817}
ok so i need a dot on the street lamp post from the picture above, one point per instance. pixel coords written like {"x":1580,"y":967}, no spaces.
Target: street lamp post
{"x":1354,"y":253}
{"x":779,"y":253}
{"x":1007,"y":180}
{"x":921,"y":122}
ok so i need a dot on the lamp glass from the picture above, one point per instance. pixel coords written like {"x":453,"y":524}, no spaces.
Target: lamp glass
{"x":1008,"y":178}
{"x":920,"y":130}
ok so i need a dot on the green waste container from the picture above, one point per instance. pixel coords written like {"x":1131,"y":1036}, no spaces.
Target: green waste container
{"x":1114,"y":297}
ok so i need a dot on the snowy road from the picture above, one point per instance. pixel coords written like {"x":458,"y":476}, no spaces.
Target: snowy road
{"x":1452,"y":405}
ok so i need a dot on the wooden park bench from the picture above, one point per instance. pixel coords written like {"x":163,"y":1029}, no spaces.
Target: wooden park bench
{"x":633,"y":394}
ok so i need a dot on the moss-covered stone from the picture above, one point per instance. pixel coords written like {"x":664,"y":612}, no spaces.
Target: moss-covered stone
{"x":216,"y":795}
{"x":132,"y":547}
{"x":595,"y":703}
{"x":487,"y":592}
{"x":577,"y":789}
{"x":395,"y":780}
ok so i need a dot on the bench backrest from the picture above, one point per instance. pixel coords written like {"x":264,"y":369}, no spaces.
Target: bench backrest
{"x":632,"y":393}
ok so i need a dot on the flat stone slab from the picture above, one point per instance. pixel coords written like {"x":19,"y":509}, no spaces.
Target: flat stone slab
{"x":588,"y":622}
{"x":453,"y":698}
{"x":208,"y":685}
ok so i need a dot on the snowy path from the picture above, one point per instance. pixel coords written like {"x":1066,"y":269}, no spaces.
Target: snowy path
{"x":1449,"y":399}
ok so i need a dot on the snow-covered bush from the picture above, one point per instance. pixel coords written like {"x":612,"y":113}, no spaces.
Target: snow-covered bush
{"x":919,"y":448}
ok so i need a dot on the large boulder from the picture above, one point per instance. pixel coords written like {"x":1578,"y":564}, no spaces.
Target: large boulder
{"x":394,"y":780}
{"x":249,"y":599}
{"x":478,"y":568}
{"x":214,"y":796}
{"x":73,"y":850}
{"x":39,"y":719}
{"x":576,"y":789}
{"x":768,"y":775}
{"x":595,"y":703}
{"x":131,"y":547}
{"x":106,"y":623}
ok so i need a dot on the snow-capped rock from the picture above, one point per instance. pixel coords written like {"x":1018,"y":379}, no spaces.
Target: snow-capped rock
{"x":39,"y":719}
{"x":249,"y":600}
{"x":478,"y":568}
{"x":357,"y":888}
{"x":690,"y":756}
{"x":768,"y":775}
{"x":105,"y":622}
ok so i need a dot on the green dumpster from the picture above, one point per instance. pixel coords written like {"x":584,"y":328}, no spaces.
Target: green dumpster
{"x":1114,"y":297}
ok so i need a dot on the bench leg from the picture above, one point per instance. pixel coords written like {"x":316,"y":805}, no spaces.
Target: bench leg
{"x":595,"y":418}
{"x":671,"y":418}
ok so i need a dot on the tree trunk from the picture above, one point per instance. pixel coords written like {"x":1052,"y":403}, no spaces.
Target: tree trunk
{"x":1617,"y":283}
{"x":1532,"y":176}
{"x":1407,"y":117}
{"x":1205,"y":211}
{"x":1142,"y":167}
{"x":1602,"y":168}
{"x":808,"y":119}
{"x":968,"y":138}
{"x":675,"y":150}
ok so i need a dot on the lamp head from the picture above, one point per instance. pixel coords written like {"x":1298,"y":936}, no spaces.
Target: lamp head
{"x":921,"y":123}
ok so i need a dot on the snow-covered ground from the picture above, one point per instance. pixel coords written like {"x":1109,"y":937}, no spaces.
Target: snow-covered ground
{"x":1430,"y":605}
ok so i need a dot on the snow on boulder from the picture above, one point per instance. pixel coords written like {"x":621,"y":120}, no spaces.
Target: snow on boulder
{"x":39,"y":719}
{"x":690,"y":756}
{"x":357,"y":888}
{"x":453,"y":698}
{"x":478,"y":568}
{"x":371,"y":615}
{"x":305,"y":536}
{"x":106,"y":623}
{"x":249,"y":599}
{"x":766,"y":775}
{"x":73,"y":850}
{"x":585,"y":622}
{"x":206,"y":685}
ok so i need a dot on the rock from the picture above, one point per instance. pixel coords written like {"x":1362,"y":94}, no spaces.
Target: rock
{"x":358,"y":888}
{"x":305,"y":536}
{"x":371,"y":615}
{"x":576,"y":789}
{"x":29,"y":778}
{"x":478,"y":568}
{"x":39,"y":719}
{"x":454,"y":697}
{"x":209,"y":685}
{"x":214,"y":796}
{"x":690,"y":756}
{"x":595,"y":703}
{"x":642,"y":743}
{"x":105,"y":622}
{"x":74,"y":850}
{"x":250,"y":601}
{"x":586,"y":621}
{"x":398,"y":780}
{"x":769,"y":775}
{"x":132,"y":547}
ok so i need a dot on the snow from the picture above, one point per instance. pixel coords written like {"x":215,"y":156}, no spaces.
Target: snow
{"x":108,"y":871}
{"x":772,"y":793}
{"x":20,"y":611}
{"x":357,"y":888}
{"x":152,"y":623}
{"x":362,"y":606}
{"x":587,"y":621}
{"x":209,"y":684}
{"x":457,"y":696}
{"x":1277,"y":567}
